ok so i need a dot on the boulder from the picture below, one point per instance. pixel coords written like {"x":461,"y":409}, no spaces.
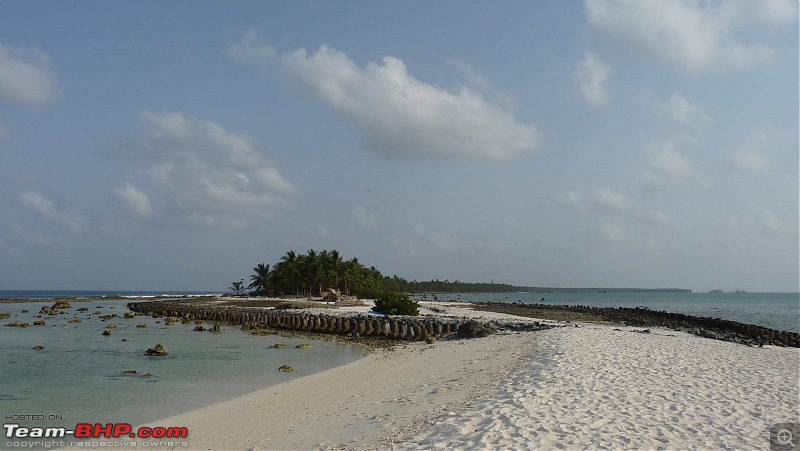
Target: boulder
{"x":61,"y":305}
{"x":157,"y":350}
{"x":199,"y":328}
{"x":303,"y":346}
{"x":285,"y":368}
{"x":106,"y":333}
{"x":474,"y":329}
{"x":141,"y":326}
{"x":38,"y":348}
{"x":17,"y":324}
{"x":39,"y":323}
{"x":278,"y":346}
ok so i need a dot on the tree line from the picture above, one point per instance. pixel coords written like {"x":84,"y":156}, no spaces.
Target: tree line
{"x":314,"y":272}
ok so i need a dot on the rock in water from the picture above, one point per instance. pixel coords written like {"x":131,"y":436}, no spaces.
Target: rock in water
{"x":303,"y":346}
{"x":214,"y":328}
{"x":17,"y":324}
{"x":157,"y":350}
{"x":106,"y":333}
{"x":285,"y":368}
{"x":199,"y":328}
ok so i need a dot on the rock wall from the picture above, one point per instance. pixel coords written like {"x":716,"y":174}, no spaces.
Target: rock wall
{"x":709,"y":327}
{"x":395,"y":328}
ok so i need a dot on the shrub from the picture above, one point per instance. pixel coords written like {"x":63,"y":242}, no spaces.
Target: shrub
{"x":392,"y":303}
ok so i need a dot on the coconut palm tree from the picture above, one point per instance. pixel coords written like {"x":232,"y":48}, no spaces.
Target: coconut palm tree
{"x":260,"y":281}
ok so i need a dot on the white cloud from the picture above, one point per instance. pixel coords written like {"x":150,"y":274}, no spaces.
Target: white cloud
{"x":693,"y":34}
{"x":45,"y":207}
{"x":750,"y":156}
{"x":398,"y":115}
{"x":252,"y":49}
{"x":612,"y":200}
{"x":779,"y":226}
{"x":591,"y":76}
{"x":26,"y":78}
{"x":668,"y":167}
{"x":135,"y":199}
{"x":365,"y":219}
{"x":438,"y":240}
{"x":207,"y":175}
{"x":681,"y":110}
{"x":605,"y":200}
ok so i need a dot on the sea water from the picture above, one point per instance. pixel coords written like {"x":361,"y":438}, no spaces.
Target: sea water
{"x":779,"y":311}
{"x":79,"y":375}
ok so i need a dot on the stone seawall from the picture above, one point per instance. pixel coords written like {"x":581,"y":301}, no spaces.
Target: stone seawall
{"x":365,"y":325}
{"x":708,"y":327}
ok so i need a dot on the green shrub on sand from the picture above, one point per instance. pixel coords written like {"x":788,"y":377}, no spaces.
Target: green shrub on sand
{"x":392,"y":303}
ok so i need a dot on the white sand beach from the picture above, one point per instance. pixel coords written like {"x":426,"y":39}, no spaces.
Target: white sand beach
{"x":592,"y":386}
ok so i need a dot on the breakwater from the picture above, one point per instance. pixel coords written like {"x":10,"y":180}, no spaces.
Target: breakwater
{"x":409,"y":328}
{"x":709,"y":327}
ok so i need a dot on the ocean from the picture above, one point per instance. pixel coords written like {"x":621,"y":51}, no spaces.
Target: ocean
{"x":79,"y":376}
{"x":779,"y":311}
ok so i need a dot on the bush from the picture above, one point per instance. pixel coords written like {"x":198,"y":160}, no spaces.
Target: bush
{"x":392,"y":303}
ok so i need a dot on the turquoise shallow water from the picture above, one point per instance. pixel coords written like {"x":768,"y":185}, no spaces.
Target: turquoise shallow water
{"x":774,"y":310}
{"x":79,"y":374}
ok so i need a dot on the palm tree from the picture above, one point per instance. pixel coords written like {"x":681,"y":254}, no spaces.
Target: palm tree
{"x":260,"y":281}
{"x":291,"y":273}
{"x":237,"y":287}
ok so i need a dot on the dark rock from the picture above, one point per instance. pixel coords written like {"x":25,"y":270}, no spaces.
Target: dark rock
{"x":474,"y":329}
{"x":106,"y":333}
{"x":5,"y":315}
{"x":214,"y":328}
{"x":17,"y":324}
{"x":61,"y":305}
{"x":199,"y":328}
{"x":285,"y":368}
{"x":39,"y":323}
{"x":141,"y":326}
{"x":157,"y":350}
{"x":303,"y":346}
{"x":111,"y":326}
{"x":278,"y":346}
{"x":76,"y":320}
{"x":38,"y":348}
{"x":129,"y":372}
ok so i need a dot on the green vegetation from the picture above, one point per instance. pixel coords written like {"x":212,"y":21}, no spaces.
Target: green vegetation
{"x":392,"y":303}
{"x":313,"y":273}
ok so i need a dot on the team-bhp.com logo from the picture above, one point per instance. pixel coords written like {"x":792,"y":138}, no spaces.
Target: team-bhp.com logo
{"x":87,"y":434}
{"x":87,"y":430}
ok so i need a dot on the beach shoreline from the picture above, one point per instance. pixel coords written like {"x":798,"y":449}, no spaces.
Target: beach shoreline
{"x":580,"y":385}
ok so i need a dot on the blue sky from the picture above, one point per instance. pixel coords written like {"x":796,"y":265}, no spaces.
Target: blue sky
{"x":617,"y":143}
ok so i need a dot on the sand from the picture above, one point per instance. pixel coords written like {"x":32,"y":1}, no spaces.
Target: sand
{"x":592,"y":386}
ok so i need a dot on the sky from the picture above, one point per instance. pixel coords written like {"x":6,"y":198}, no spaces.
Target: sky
{"x":605,"y":143}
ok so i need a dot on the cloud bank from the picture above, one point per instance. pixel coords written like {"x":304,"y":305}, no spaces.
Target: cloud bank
{"x":26,"y":77}
{"x":400,"y":116}
{"x":206,"y":175}
{"x":692,"y":34}
{"x":591,"y":76}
